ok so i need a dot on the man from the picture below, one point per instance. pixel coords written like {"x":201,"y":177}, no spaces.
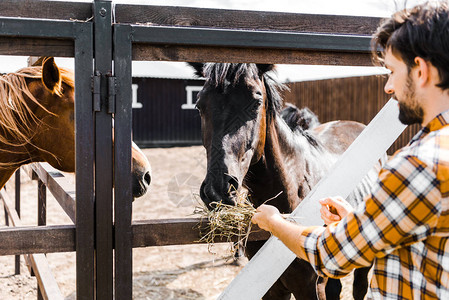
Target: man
{"x":402,"y":229}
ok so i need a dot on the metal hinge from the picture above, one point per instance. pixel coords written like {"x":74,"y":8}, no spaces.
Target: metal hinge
{"x":96,"y":89}
{"x":111,"y":94}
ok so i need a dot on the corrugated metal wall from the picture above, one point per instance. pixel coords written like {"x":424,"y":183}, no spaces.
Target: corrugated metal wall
{"x":353,"y":98}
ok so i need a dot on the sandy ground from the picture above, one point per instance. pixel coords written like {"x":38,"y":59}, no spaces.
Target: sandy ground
{"x":160,"y":273}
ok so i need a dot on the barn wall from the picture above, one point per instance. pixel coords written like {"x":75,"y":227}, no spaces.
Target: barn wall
{"x":353,"y":98}
{"x":161,"y":121}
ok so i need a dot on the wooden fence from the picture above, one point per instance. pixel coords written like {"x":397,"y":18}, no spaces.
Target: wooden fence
{"x":96,"y":34}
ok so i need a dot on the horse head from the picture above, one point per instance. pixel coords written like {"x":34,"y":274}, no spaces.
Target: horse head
{"x":43,"y":111}
{"x":234,"y":107}
{"x":52,"y":104}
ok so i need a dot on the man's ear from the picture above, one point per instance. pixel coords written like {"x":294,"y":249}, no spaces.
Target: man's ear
{"x":51,"y":76}
{"x":423,"y":71}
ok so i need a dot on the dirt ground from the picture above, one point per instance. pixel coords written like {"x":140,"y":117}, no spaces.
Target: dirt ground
{"x":160,"y":273}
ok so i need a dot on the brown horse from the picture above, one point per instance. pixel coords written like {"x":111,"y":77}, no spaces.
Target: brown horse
{"x":249,"y":146}
{"x":37,"y":123}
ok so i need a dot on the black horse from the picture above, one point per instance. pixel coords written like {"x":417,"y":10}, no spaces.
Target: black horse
{"x":249,"y":146}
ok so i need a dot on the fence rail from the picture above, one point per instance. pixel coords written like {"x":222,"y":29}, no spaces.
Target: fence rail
{"x":95,"y":34}
{"x":61,"y":238}
{"x":37,"y":262}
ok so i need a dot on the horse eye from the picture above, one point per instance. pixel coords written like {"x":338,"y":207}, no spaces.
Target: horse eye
{"x":258,"y":95}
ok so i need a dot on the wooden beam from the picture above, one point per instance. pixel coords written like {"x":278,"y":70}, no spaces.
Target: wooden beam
{"x":62,"y":189}
{"x":243,"y":19}
{"x":66,"y":10}
{"x":165,"y":232}
{"x":47,"y":284}
{"x":248,"y":55}
{"x":148,"y":233}
{"x":37,"y":239}
{"x":36,"y":47}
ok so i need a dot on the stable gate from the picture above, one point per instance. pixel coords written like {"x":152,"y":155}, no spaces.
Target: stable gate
{"x":104,"y":39}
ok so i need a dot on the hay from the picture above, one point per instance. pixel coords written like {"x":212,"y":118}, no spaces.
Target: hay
{"x":228,"y":223}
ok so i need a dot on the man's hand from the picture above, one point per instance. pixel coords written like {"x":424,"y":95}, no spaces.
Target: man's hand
{"x":266,"y":217}
{"x":334,"y":209}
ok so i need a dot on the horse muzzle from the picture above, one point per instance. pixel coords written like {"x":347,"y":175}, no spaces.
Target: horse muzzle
{"x":225,"y":193}
{"x":141,"y":183}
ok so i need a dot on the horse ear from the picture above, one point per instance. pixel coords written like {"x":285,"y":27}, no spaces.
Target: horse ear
{"x":263,"y":68}
{"x":198,"y":68}
{"x":51,"y":76}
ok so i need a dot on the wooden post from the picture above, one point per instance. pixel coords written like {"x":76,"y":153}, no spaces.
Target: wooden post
{"x":17,"y":197}
{"x":41,"y":215}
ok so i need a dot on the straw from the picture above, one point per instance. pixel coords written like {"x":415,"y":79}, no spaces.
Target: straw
{"x":229,"y":223}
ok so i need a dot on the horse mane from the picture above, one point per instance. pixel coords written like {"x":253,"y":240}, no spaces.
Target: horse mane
{"x":16,"y":117}
{"x":298,"y":119}
{"x":222,"y":74}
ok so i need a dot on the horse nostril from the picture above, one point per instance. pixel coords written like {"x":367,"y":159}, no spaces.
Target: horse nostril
{"x":147,"y":178}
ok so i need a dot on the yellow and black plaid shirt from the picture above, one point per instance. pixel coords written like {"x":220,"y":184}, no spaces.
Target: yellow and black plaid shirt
{"x":402,"y":228}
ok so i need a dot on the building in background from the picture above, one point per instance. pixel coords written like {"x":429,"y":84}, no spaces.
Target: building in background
{"x":164,"y":112}
{"x":164,"y":96}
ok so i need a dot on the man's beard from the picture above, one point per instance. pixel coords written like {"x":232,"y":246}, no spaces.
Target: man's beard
{"x":410,"y":112}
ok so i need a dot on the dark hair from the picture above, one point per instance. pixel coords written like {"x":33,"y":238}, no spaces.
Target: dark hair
{"x":219,"y":74}
{"x":422,"y":31}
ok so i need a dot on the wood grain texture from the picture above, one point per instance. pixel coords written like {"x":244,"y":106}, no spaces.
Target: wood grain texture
{"x":164,"y":232}
{"x":36,"y":47}
{"x":37,"y":239}
{"x":255,"y":20}
{"x":48,"y":287}
{"x":148,"y":233}
{"x":247,"y":55}
{"x":66,"y":10}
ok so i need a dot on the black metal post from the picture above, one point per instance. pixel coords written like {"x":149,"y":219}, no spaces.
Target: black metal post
{"x":84,"y":146}
{"x":122,"y":162}
{"x":103,"y":152}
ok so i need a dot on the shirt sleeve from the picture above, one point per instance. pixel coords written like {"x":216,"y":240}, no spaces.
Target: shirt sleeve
{"x":403,"y":208}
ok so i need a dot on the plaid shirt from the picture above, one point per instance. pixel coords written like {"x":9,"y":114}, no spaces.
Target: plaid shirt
{"x":402,"y":227}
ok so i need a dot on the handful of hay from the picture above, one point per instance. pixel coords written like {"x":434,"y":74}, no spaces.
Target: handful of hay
{"x":230,"y":223}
